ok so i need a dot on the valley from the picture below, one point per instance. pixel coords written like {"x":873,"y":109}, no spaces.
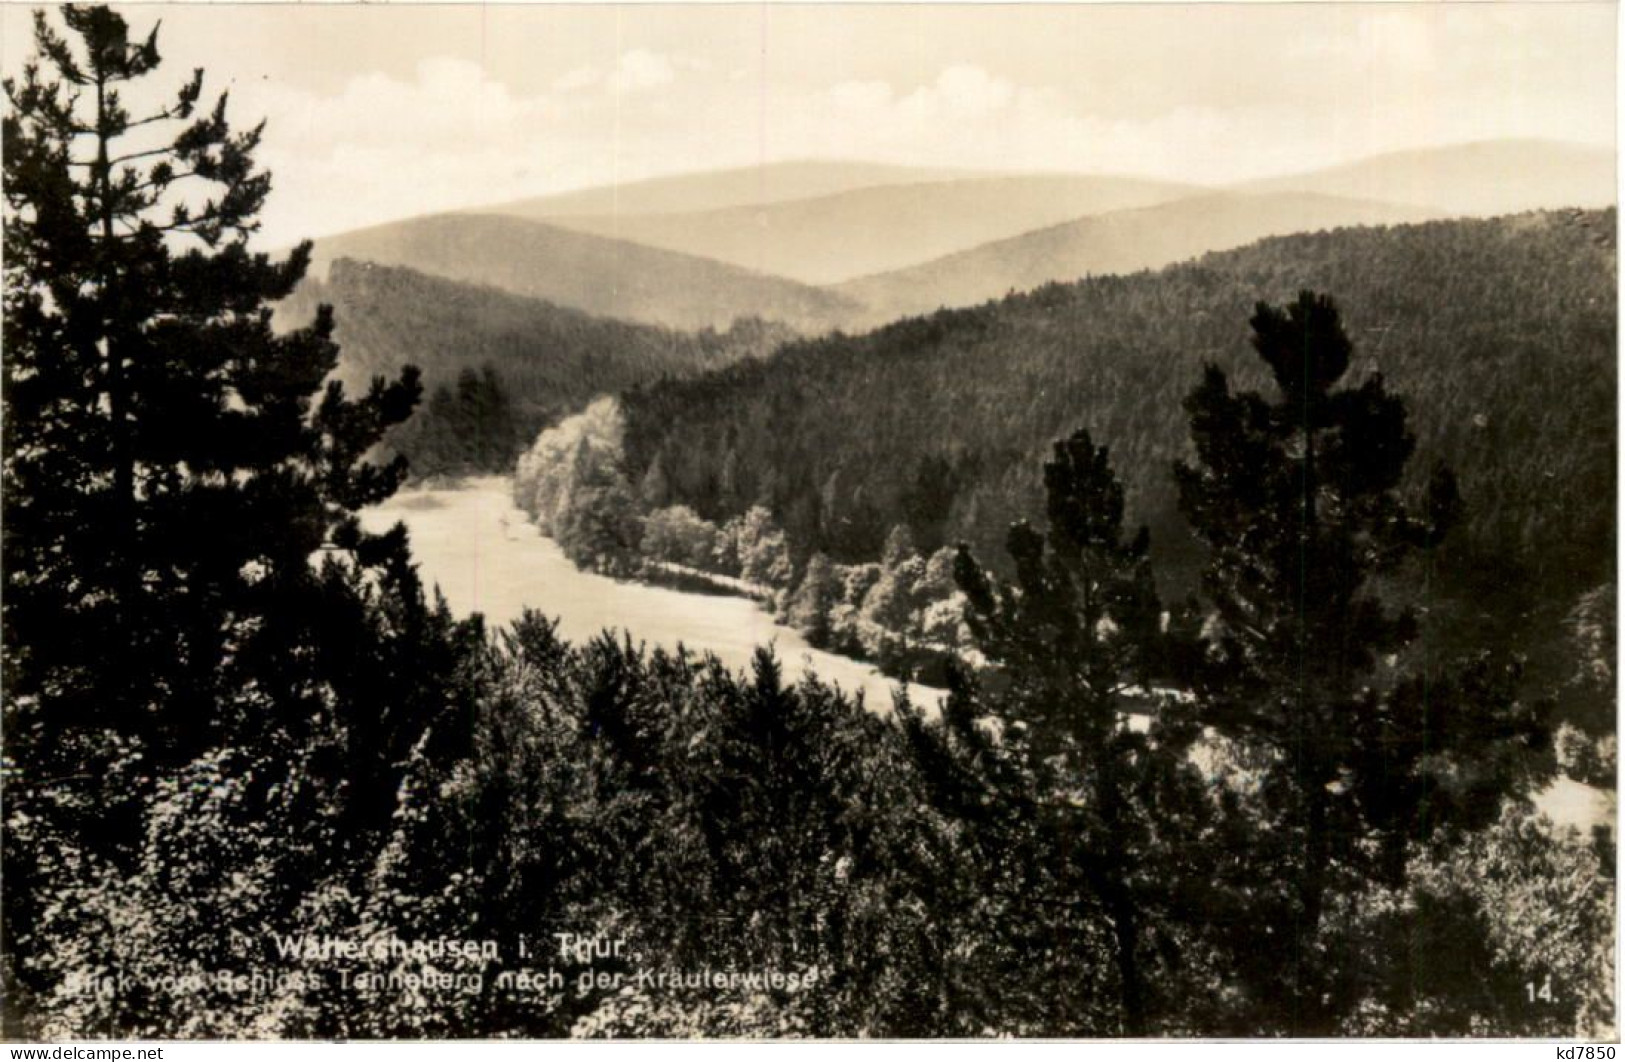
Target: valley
{"x":761,"y":325}
{"x":486,"y":556}
{"x":822,"y":379}
{"x":888,"y":522}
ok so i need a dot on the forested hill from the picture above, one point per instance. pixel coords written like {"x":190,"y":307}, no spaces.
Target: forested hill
{"x":547,"y":359}
{"x":1499,"y":333}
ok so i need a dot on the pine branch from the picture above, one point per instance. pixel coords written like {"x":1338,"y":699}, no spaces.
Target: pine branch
{"x":120,"y":160}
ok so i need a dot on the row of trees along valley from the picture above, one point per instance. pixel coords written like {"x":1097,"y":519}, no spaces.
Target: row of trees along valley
{"x":903,"y":611}
{"x":236,"y":725}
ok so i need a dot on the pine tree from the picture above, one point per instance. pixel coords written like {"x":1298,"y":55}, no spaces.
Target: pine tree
{"x":486,"y":419}
{"x":809,"y":607}
{"x":927,"y":501}
{"x":1298,"y":500}
{"x":160,"y":439}
{"x":172,"y":465}
{"x":1066,"y":645}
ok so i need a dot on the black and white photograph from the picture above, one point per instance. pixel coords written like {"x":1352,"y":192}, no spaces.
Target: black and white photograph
{"x":809,"y":521}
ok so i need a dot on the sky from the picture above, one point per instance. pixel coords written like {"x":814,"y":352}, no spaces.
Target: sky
{"x":384,"y":111}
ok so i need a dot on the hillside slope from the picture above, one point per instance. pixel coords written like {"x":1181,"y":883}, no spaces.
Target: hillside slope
{"x":605,"y":277}
{"x":549,"y":359}
{"x":1480,"y":179}
{"x":1500,"y":334}
{"x":1119,"y":242}
{"x":870,"y":230}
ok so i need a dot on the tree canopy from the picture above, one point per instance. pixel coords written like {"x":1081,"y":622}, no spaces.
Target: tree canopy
{"x":184,"y":568}
{"x":1298,"y":501}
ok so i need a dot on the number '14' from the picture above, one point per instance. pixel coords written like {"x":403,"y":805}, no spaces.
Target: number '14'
{"x":1543,"y":993}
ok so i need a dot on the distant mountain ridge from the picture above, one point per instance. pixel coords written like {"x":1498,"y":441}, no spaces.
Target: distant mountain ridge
{"x":612,"y":278}
{"x":821,"y":246}
{"x":770,"y":182}
{"x":828,"y":239}
{"x":1124,"y":241}
{"x":1469,"y":180}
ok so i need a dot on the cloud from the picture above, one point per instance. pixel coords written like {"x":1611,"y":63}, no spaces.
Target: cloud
{"x":639,"y":70}
{"x":971,"y":90}
{"x":861,"y":95}
{"x":451,"y":136}
{"x":579,"y":78}
{"x":449,"y":104}
{"x":959,"y":93}
{"x":1402,"y":39}
{"x":966,"y":115}
{"x":380,"y":147}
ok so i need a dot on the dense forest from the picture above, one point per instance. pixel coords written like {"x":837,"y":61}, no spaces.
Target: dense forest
{"x":259,"y":783}
{"x":1499,"y":333}
{"x":499,"y":366}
